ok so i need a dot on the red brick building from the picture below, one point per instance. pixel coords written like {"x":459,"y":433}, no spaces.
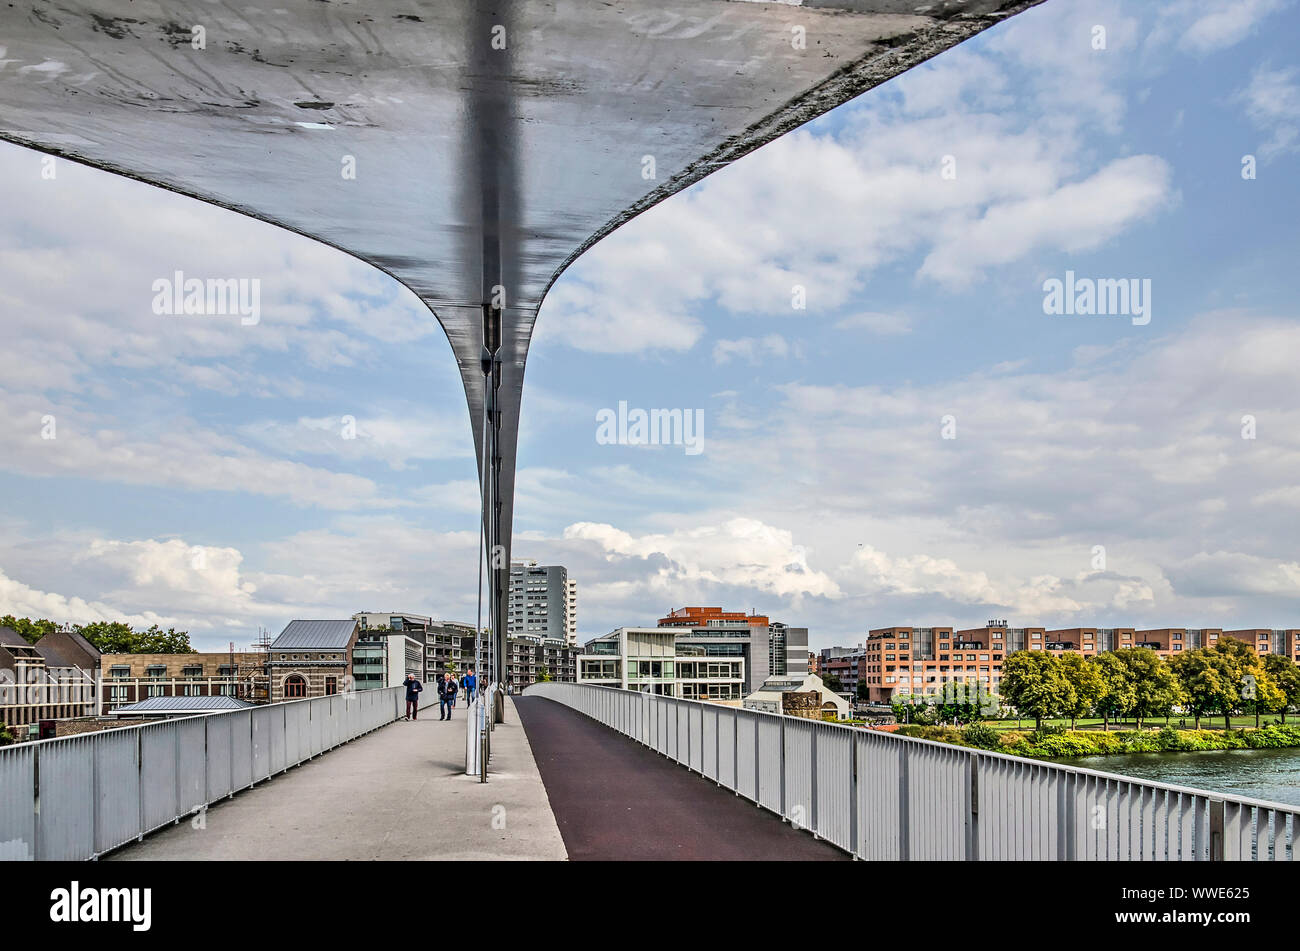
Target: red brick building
{"x":907,"y":660}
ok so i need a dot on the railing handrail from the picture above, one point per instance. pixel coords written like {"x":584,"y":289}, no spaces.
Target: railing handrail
{"x":977,"y":751}
{"x":278,"y":704}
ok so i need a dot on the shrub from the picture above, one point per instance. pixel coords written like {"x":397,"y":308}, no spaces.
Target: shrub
{"x":1167,"y":738}
{"x":1271,"y":737}
{"x":983,"y":736}
{"x":1104,"y":743}
{"x":1065,"y":744}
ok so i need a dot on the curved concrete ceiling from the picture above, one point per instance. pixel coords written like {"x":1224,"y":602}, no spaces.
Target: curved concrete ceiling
{"x":494,"y":141}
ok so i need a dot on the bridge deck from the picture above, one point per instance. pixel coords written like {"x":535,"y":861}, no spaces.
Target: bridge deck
{"x":398,"y":793}
{"x":615,"y":799}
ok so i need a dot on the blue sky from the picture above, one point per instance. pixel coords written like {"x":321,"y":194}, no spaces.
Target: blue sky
{"x":198,"y":476}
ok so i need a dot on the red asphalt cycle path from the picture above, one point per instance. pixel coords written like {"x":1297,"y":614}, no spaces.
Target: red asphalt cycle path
{"x":615,"y":799}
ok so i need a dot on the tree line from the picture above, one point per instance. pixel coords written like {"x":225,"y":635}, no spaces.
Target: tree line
{"x":1137,"y":683}
{"x":109,"y":637}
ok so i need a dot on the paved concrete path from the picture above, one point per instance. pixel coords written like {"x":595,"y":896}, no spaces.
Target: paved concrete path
{"x":398,"y":793}
{"x":615,"y":799}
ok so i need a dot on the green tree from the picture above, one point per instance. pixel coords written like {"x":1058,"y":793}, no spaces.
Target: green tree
{"x":863,"y":692}
{"x":1286,"y":675}
{"x":1118,"y":696}
{"x":832,"y":683}
{"x":115,"y":637}
{"x":1252,"y":682}
{"x":1032,"y":682}
{"x":1155,"y":688}
{"x":963,"y":702}
{"x":1086,"y":685}
{"x":1206,"y":682}
{"x":901,"y":705}
{"x":30,"y":631}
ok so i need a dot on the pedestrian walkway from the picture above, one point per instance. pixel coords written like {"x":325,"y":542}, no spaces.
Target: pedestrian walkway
{"x":398,"y":793}
{"x":615,"y":799}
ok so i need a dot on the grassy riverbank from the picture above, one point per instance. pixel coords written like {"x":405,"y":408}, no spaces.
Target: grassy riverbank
{"x":1066,"y":744}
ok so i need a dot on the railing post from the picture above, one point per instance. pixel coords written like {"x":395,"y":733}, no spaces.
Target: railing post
{"x":1216,"y":830}
{"x":781,"y":764}
{"x":904,"y":826}
{"x":855,"y":846}
{"x":94,"y":792}
{"x":717,"y":749}
{"x":812,"y":784}
{"x":36,"y":802}
{"x":231,"y":731}
{"x":973,"y":808}
{"x":206,"y":766}
{"x":139,"y":778}
{"x":735,"y":752}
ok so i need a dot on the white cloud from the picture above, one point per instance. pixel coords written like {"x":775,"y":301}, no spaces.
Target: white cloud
{"x":360,"y":563}
{"x":22,"y":600}
{"x":748,"y":242}
{"x":741,"y":552}
{"x":1272,"y":102}
{"x":396,"y":438}
{"x":1226,"y":573}
{"x":877,"y":323}
{"x":750,"y":349}
{"x":880,"y":573}
{"x":182,"y":455}
{"x":1078,"y":216}
{"x":1218,"y":24}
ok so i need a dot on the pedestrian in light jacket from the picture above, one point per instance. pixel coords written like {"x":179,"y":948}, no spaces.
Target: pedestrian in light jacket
{"x":446,"y":696}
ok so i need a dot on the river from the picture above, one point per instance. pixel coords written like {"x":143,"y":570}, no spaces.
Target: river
{"x":1259,"y":774}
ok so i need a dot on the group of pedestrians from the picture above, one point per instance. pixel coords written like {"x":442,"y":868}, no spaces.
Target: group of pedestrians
{"x":448,"y":687}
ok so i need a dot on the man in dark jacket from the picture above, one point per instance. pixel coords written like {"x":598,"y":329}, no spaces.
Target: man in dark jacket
{"x":413,"y":688}
{"x":446,"y":696}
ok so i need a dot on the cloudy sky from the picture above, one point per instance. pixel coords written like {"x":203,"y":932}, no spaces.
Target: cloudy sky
{"x":1097,"y":475}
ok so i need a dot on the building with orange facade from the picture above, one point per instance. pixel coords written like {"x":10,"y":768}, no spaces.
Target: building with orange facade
{"x":768,"y":648}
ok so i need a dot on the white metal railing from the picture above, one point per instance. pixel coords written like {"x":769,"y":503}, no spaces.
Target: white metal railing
{"x":882,"y":796}
{"x":77,"y":797}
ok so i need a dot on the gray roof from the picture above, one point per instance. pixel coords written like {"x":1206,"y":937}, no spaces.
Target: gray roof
{"x":315,"y":635}
{"x":11,"y":638}
{"x":68,"y":649}
{"x":183,"y":705}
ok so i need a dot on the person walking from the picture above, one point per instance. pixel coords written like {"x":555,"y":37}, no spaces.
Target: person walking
{"x":413,"y":688}
{"x":446,"y":696}
{"x":470,"y":684}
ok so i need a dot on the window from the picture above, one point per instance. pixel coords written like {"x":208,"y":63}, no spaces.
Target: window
{"x":294,"y":687}
{"x":331,"y":686}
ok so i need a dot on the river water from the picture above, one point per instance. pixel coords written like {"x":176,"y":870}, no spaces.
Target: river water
{"x":1260,"y":774}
